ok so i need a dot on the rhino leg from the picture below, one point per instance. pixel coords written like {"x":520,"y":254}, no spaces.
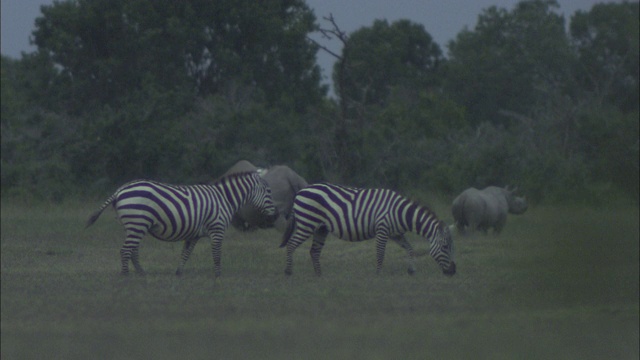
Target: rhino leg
{"x":473,"y":219}
{"x":460,"y":227}
{"x":499,"y":225}
{"x":472,"y":227}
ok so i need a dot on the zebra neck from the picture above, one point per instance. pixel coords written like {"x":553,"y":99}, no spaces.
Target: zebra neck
{"x":418,"y":219}
{"x":235,"y":192}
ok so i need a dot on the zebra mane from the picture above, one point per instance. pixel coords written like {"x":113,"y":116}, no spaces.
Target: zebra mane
{"x":419,"y":205}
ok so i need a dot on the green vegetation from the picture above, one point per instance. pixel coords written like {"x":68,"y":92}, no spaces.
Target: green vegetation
{"x":561,"y":282}
{"x":178,"y":92}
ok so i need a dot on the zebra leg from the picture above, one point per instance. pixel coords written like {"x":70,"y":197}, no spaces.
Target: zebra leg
{"x":316,"y":248}
{"x":136,"y":262}
{"x":216,"y":235}
{"x":411,"y":256}
{"x":298,"y":237}
{"x":186,"y":252}
{"x":125,"y":256}
{"x":381,"y":244}
{"x":129,"y":251}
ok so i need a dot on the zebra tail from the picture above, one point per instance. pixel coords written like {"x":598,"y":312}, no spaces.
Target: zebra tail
{"x":98,"y":212}
{"x":291,"y":224}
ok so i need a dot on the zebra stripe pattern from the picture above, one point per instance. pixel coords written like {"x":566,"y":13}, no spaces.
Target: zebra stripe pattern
{"x":354,"y":214}
{"x":184,"y":212}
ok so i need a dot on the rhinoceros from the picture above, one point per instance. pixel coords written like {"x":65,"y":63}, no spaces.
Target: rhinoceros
{"x":284,"y":184}
{"x":482,"y":209}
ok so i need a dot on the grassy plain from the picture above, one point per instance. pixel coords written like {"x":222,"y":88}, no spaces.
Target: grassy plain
{"x":559,"y":283}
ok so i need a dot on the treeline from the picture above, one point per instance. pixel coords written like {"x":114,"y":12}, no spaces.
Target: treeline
{"x":179,"y":91}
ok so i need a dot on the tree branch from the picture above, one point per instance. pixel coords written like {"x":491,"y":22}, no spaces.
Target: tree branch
{"x":326,"y":49}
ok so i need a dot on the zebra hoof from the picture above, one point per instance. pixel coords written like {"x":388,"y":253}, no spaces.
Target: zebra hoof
{"x":411,"y":271}
{"x":288,"y":272}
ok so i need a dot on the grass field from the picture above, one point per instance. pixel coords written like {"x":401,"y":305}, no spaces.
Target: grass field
{"x":559,"y":283}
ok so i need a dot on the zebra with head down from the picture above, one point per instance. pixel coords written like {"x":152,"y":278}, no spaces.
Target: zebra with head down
{"x":354,"y":214}
{"x":184,"y":212}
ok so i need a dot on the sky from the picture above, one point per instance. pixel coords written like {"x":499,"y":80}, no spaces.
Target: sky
{"x":442,"y":19}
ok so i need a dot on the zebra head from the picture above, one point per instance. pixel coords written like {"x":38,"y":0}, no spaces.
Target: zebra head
{"x":442,"y":249}
{"x":260,"y":199}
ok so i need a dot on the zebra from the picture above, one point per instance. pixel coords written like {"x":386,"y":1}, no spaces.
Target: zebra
{"x":355,"y":214}
{"x":184,"y":212}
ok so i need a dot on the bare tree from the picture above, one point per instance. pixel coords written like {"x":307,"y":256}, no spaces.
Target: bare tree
{"x":345,"y":158}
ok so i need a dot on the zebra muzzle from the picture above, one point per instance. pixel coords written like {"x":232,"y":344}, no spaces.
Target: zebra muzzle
{"x":451,"y":270}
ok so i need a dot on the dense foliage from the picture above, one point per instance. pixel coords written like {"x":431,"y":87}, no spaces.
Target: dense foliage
{"x":178,"y":91}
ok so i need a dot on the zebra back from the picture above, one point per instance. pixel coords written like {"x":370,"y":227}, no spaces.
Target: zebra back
{"x":233,"y":188}
{"x":354,"y":213}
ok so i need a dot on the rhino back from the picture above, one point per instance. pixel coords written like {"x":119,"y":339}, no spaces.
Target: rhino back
{"x":508,"y":200}
{"x":468,"y":206}
{"x":496,"y":200}
{"x":481,"y":208}
{"x":240,"y":166}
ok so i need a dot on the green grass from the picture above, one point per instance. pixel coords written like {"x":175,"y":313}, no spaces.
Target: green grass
{"x":559,"y":283}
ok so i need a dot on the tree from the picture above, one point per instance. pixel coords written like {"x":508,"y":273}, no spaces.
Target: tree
{"x":385,"y":56}
{"x":405,"y":140}
{"x":563,"y":112}
{"x":511,"y":61}
{"x":377,"y":64}
{"x":106,"y":50}
{"x":35,"y":140}
{"x":606,"y":38}
{"x":112,"y":83}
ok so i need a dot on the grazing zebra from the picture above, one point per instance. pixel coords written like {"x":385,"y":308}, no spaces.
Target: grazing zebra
{"x":360,"y":214}
{"x":184,"y":212}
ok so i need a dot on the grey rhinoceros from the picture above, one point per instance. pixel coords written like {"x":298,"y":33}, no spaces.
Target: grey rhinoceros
{"x":284,"y":184}
{"x":482,"y":209}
